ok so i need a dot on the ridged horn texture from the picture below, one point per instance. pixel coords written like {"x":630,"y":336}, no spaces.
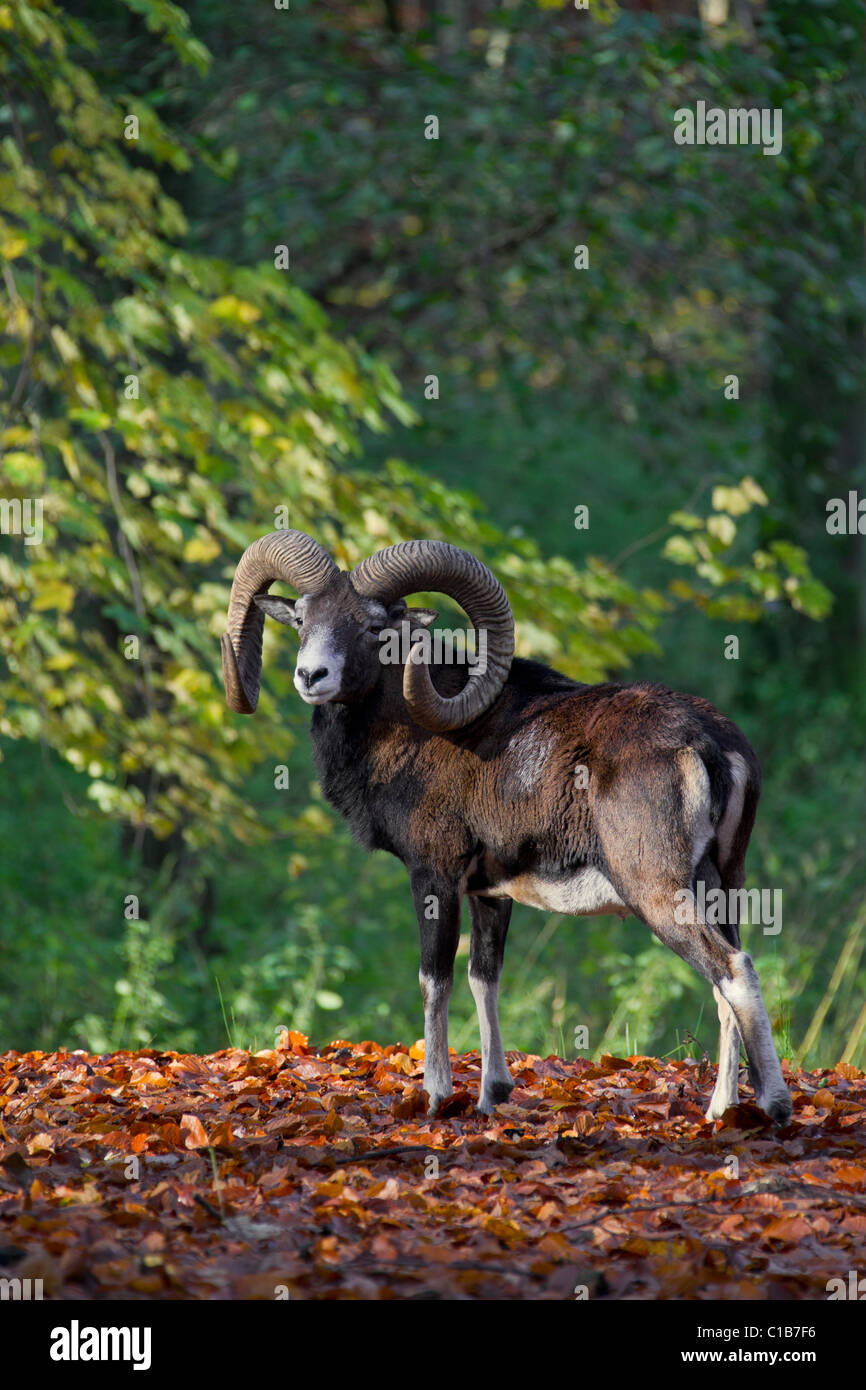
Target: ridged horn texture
{"x":421,"y":566}
{"x":287,"y":555}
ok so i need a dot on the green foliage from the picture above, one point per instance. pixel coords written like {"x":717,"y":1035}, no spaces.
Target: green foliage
{"x":169,"y":394}
{"x":780,"y":569}
{"x":168,"y":407}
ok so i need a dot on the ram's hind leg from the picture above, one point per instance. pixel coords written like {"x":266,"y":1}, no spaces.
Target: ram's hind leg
{"x":490,"y":917}
{"x":676,"y":919}
{"x":726,"y":1091}
{"x":654,"y":825}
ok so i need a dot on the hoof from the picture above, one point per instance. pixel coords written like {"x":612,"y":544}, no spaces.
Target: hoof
{"x":777,"y":1105}
{"x":716,"y":1109}
{"x":435,"y":1101}
{"x":496,"y":1093}
{"x":720,"y":1101}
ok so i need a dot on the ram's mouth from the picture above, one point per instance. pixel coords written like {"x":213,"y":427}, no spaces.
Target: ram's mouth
{"x":318,"y":697}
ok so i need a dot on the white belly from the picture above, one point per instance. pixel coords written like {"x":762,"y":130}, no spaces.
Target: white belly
{"x":587,"y":894}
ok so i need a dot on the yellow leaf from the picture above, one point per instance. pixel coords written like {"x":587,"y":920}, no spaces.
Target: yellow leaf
{"x":22,"y":469}
{"x":200,"y":549}
{"x":402,"y":1062}
{"x":88,"y":1195}
{"x":722,"y":527}
{"x":67,"y":453}
{"x":13,"y":246}
{"x":374,"y":524}
{"x":228,"y":306}
{"x":731,"y":500}
{"x":54,"y":595}
{"x":314,"y":818}
{"x":256,"y":425}
{"x":18,"y":321}
{"x":65,"y":346}
{"x":753,"y":491}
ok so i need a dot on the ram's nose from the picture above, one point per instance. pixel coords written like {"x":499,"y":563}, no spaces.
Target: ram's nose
{"x":310,"y":679}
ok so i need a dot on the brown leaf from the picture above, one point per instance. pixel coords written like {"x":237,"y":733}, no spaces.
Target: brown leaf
{"x":40,"y":1143}
{"x":222,"y":1137}
{"x":744,"y":1116}
{"x":329,"y":1151}
{"x":850,"y":1174}
{"x":789,"y":1229}
{"x":413,"y":1102}
{"x":193,"y":1132}
{"x":15,"y":1164}
{"x":458,"y":1104}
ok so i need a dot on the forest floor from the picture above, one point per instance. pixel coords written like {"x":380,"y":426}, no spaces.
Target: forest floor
{"x":311,"y":1173}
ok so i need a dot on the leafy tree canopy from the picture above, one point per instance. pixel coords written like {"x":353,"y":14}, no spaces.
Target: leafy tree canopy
{"x":165,"y":407}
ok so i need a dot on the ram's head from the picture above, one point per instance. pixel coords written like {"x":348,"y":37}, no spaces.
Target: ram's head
{"x":341,"y":617}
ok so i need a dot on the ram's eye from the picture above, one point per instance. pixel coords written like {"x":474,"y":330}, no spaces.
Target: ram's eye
{"x":376,"y":628}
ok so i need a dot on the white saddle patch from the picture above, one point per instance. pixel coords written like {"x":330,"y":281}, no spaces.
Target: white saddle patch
{"x":528,"y":752}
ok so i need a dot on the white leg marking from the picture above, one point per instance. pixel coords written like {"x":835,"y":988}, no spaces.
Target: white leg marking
{"x":726,"y":1092}
{"x":743,"y":993}
{"x":437,"y":1063}
{"x":496,"y":1082}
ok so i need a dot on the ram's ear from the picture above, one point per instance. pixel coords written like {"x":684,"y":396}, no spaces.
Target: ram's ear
{"x":283,"y":609}
{"x":421,"y":617}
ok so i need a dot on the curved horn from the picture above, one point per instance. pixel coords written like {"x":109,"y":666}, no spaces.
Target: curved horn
{"x":435,"y":566}
{"x":287,"y":555}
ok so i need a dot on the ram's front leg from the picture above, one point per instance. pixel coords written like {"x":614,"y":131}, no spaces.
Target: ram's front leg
{"x":490,"y":917}
{"x":437,"y":903}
